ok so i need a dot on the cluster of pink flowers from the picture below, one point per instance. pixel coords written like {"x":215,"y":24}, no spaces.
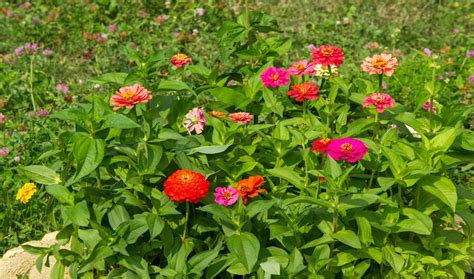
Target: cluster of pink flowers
{"x":346,"y":149}
{"x":28,"y":48}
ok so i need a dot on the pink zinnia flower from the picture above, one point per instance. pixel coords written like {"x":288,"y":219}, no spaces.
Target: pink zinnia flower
{"x":471,"y":79}
{"x":328,"y":55}
{"x":380,"y":64}
{"x":19,"y":51}
{"x":179,"y":60}
{"x":427,"y":105}
{"x":195,"y":120}
{"x":427,"y":51}
{"x":347,"y":149}
{"x":4,"y":152}
{"x":379,"y":100}
{"x":303,"y":91}
{"x":31,"y":48}
{"x":302,"y":67}
{"x":3,"y":118}
{"x":241,"y":117}
{"x":47,"y":52}
{"x":200,"y":11}
{"x":42,"y":113}
{"x":226,"y":196}
{"x":129,"y":96}
{"x":274,"y":77}
{"x":62,"y":87}
{"x":112,"y":27}
{"x":470,"y":53}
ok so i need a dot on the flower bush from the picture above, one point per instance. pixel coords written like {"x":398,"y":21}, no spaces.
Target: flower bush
{"x":258,"y":167}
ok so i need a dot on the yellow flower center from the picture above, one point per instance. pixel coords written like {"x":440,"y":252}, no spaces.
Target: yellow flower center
{"x":181,"y":57}
{"x":346,"y":147}
{"x":327,"y":52}
{"x":195,"y":120}
{"x":379,"y":62}
{"x":227,"y":195}
{"x":275,"y":76}
{"x":128,"y":95}
{"x":300,"y":67}
{"x":325,"y":140}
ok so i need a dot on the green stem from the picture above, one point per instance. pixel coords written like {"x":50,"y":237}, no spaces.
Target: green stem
{"x":376,"y":128}
{"x":247,"y":16}
{"x":186,"y":222}
{"x":304,"y":146}
{"x":380,"y":82}
{"x":372,"y":175}
{"x":31,"y":83}
{"x":432,"y":99}
{"x":400,"y":198}
{"x":322,"y":84}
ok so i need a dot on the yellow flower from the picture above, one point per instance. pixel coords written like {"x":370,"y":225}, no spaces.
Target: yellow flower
{"x":26,"y":192}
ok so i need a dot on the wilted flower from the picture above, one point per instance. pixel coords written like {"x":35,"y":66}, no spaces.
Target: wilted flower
{"x":19,"y":51}
{"x":226,"y":196}
{"x":347,"y":149}
{"x":112,"y":27}
{"x":241,"y":117}
{"x":26,"y":192}
{"x":372,"y":45}
{"x":218,"y":114}
{"x":303,"y":91}
{"x":161,"y":19}
{"x":302,"y":67}
{"x":321,"y":145}
{"x":380,"y":64}
{"x":179,"y":60}
{"x":186,"y":186}
{"x":3,"y":118}
{"x":384,"y":85}
{"x":274,"y":77}
{"x":47,"y":52}
{"x":200,"y":11}
{"x":427,"y":51}
{"x":129,"y":96}
{"x":311,"y":47}
{"x":195,"y":120}
{"x":450,"y":74}
{"x":328,"y":55}
{"x":4,"y":151}
{"x":440,"y":77}
{"x":31,"y":48}
{"x":427,"y":105}
{"x":62,"y":88}
{"x":248,"y":188}
{"x":379,"y":100}
{"x":42,"y":113}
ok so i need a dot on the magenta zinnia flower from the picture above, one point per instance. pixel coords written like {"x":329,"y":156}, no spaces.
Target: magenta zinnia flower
{"x":274,"y":77}
{"x":302,"y":67}
{"x":62,"y":87}
{"x":241,"y":117}
{"x":226,"y":196}
{"x":347,"y":149}
{"x":195,"y":120}
{"x":427,"y":105}
{"x":379,"y":100}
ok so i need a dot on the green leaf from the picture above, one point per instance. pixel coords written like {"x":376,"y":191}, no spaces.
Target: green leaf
{"x":117,"y":216}
{"x":295,"y":263}
{"x":417,"y":222}
{"x":57,"y":272}
{"x":136,"y":264}
{"x":245,"y":247}
{"x":89,"y":152}
{"x":96,"y":259}
{"x":444,"y":140}
{"x":332,"y":167}
{"x":257,"y":207}
{"x":40,"y":174}
{"x":155,"y":224}
{"x":173,"y":85}
{"x":348,"y":237}
{"x":393,"y":259}
{"x":271,"y":267}
{"x":288,"y":175}
{"x":61,"y":193}
{"x":117,"y":78}
{"x":442,"y":188}
{"x":201,"y":261}
{"x":230,"y":97}
{"x":78,"y":214}
{"x":119,"y":121}
{"x":365,"y":230}
{"x":211,"y":149}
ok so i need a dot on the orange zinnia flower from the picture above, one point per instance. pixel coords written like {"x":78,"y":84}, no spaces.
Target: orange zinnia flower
{"x":218,"y":114}
{"x":179,"y":60}
{"x":248,"y":188}
{"x":129,"y":96}
{"x":186,"y":186}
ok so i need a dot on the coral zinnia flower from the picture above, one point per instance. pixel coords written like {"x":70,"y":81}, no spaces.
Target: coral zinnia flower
{"x":241,"y":117}
{"x":186,"y":186}
{"x":328,"y":55}
{"x":218,"y":114}
{"x":248,"y":188}
{"x":380,"y":64}
{"x":306,"y":90}
{"x":129,"y":96}
{"x":195,"y":120}
{"x":226,"y":196}
{"x":348,"y":149}
{"x":379,"y":100}
{"x":274,"y":77}
{"x":26,"y":192}
{"x":179,"y":60}
{"x":321,"y":145}
{"x":302,"y":67}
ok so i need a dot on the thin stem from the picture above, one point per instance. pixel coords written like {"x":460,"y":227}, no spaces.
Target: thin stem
{"x":380,"y":82}
{"x":304,"y":146}
{"x":322,"y":84}
{"x":400,"y":198}
{"x":372,"y":175}
{"x":432,"y":99}
{"x":31,"y":83}
{"x":376,"y":128}
{"x":247,"y":16}
{"x":186,"y":222}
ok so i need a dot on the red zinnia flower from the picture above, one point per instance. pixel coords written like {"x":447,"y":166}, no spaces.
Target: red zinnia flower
{"x":248,"y":188}
{"x":306,"y":90}
{"x":129,"y":96}
{"x":179,"y":60}
{"x":186,"y":186}
{"x":321,"y":145}
{"x":328,"y":55}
